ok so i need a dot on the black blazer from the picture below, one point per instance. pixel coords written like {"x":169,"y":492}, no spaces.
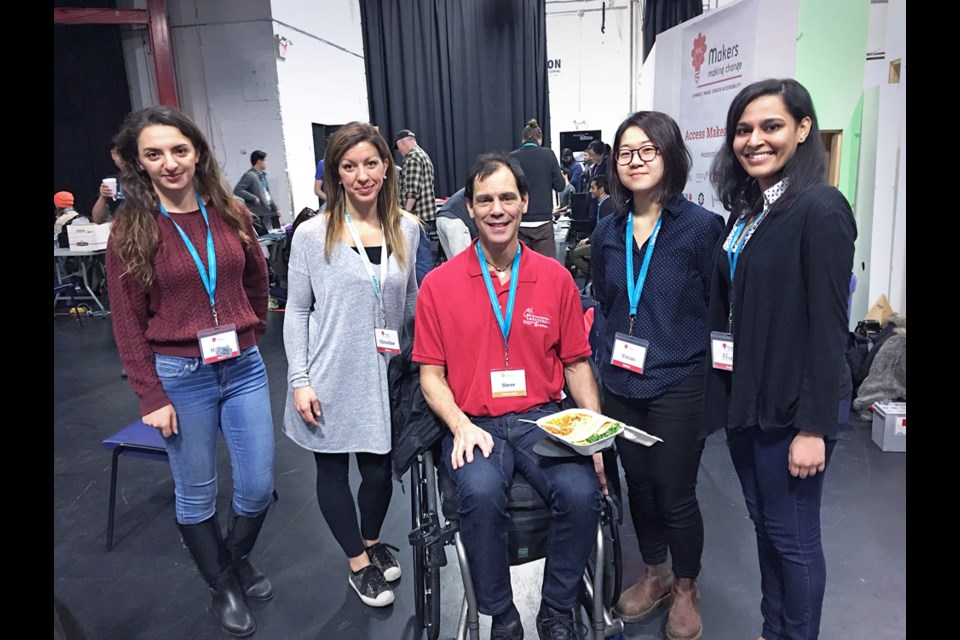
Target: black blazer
{"x":789,"y":318}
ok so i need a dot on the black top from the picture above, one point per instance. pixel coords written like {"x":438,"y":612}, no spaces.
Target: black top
{"x":672,"y":313}
{"x":542,"y":169}
{"x":789,"y":318}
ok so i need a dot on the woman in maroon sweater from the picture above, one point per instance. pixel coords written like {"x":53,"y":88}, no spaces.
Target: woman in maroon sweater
{"x":188,"y":290}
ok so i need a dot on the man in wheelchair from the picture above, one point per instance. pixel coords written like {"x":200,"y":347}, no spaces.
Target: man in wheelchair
{"x":499,"y":330}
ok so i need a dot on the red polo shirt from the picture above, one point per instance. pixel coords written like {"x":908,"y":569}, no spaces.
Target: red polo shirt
{"x":456,"y":327}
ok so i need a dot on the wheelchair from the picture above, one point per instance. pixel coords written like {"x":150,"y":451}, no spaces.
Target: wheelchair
{"x":435,"y":523}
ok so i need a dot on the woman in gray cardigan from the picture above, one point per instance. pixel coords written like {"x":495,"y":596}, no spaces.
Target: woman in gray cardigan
{"x":351,"y":298}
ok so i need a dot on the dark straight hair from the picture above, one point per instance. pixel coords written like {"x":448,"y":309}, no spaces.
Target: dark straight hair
{"x":665,"y":135}
{"x":487,"y":164}
{"x":739,"y":192}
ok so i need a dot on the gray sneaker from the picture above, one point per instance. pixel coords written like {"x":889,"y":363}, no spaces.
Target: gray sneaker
{"x":371,"y":587}
{"x":381,"y":558}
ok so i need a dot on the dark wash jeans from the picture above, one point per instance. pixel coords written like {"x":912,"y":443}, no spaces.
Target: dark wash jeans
{"x":569,"y":486}
{"x":786,"y":516}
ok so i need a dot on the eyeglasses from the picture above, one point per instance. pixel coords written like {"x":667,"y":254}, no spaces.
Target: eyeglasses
{"x":646,"y":154}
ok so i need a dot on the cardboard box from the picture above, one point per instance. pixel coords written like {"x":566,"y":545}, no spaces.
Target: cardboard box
{"x":890,"y":425}
{"x":88,"y":237}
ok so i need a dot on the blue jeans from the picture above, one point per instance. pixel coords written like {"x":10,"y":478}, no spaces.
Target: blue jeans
{"x":231,"y":397}
{"x":568,"y":485}
{"x":786,"y":516}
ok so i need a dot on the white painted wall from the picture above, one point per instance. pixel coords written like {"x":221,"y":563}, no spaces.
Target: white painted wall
{"x":322,"y":80}
{"x":590,"y":76}
{"x":863,"y":207}
{"x":888,"y":267}
{"x":875,"y":71}
{"x":227,"y":82}
{"x":232,"y":83}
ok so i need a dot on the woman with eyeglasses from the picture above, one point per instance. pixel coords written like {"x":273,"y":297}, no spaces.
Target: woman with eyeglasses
{"x":651,"y":263}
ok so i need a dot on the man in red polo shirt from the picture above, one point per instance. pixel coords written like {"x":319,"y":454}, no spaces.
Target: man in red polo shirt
{"x":499,"y":328}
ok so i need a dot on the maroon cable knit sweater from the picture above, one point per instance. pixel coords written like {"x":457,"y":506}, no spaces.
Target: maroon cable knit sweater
{"x":166,"y":318}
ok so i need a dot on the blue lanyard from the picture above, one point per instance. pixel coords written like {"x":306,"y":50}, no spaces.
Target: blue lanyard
{"x":263,"y":181}
{"x":511,"y":299}
{"x":529,"y":144}
{"x":209,"y":281}
{"x":733,"y":249}
{"x":635,"y":288}
{"x":369,"y":267}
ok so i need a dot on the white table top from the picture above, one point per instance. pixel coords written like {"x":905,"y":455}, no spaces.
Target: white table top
{"x":61,"y":252}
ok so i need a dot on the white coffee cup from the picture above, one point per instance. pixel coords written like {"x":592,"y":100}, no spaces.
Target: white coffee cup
{"x":112,"y":185}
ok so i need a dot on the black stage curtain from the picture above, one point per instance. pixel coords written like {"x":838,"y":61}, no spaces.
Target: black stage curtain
{"x":660,"y":15}
{"x":464,"y":75}
{"x":90,"y":100}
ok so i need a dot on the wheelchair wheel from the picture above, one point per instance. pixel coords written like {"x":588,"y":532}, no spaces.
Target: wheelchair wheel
{"x":426,"y":569}
{"x":613,"y":569}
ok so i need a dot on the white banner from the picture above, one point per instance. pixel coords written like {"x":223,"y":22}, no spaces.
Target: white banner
{"x":722,"y":60}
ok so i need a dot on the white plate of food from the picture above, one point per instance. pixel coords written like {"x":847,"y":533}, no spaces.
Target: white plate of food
{"x":582,"y":430}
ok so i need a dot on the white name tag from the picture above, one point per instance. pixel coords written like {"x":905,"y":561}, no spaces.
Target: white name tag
{"x":629,"y":353}
{"x":388,"y":341}
{"x":508,"y":382}
{"x":721,"y":350}
{"x":219,"y":343}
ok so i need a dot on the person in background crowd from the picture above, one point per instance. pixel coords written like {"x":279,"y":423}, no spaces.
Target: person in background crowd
{"x":318,"y":186}
{"x":350,"y":308}
{"x":598,"y":153}
{"x":651,"y":265}
{"x":563,"y":198}
{"x":416,"y":179}
{"x":109,"y":200}
{"x":542,"y":171}
{"x":778,"y":317}
{"x":455,"y":227}
{"x":254,"y":188}
{"x":568,"y":162}
{"x":188,"y":298}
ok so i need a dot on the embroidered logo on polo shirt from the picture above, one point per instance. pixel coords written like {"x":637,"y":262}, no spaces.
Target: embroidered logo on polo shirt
{"x":533,"y":320}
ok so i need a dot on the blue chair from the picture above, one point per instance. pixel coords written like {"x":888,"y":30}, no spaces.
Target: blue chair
{"x":140,"y":441}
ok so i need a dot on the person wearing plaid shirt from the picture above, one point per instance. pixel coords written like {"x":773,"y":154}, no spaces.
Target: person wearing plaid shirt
{"x":416,"y":178}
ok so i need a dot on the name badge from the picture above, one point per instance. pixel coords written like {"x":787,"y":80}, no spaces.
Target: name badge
{"x":219,"y":343}
{"x":388,"y":341}
{"x":507,"y":383}
{"x":629,"y":353}
{"x":721,"y":350}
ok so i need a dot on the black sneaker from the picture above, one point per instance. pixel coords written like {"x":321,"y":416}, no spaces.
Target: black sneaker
{"x":558,"y":624}
{"x":381,"y":558}
{"x":507,"y":625}
{"x":371,"y":587}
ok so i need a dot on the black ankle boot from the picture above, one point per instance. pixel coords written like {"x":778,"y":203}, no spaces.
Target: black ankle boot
{"x":213,"y":560}
{"x":242,"y":532}
{"x":507,"y":625}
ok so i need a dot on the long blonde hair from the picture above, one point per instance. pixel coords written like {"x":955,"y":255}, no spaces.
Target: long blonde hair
{"x":135,"y":232}
{"x":388,"y":206}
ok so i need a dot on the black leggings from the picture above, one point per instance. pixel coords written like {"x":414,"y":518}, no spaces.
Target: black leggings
{"x":336,"y":501}
{"x":662,"y":479}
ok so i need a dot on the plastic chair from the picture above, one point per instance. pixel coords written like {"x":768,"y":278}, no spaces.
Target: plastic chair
{"x":140,"y":441}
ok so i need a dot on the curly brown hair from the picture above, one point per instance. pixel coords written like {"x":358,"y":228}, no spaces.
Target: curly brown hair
{"x":135,"y":232}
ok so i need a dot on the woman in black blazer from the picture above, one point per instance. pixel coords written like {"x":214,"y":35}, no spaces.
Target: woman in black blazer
{"x":778,"y":321}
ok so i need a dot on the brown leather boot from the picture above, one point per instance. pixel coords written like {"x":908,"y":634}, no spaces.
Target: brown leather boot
{"x":683,"y":622}
{"x":640,"y":600}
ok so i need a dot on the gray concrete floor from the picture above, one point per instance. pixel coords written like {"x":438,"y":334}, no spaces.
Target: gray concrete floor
{"x":147,"y":588}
